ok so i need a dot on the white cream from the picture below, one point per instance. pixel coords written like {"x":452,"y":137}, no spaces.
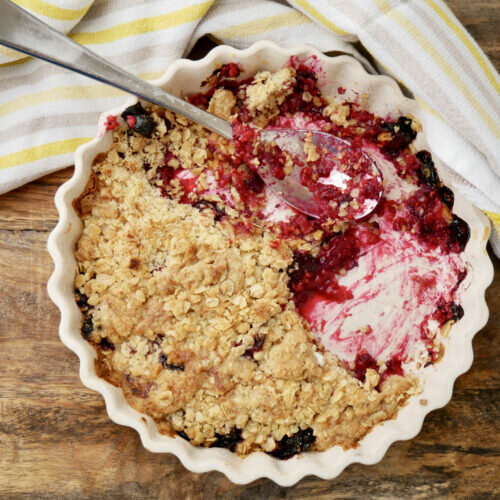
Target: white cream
{"x":395,"y":287}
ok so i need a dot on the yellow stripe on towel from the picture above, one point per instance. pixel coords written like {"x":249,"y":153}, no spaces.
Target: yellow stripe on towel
{"x":494,"y":217}
{"x":292,"y":18}
{"x":43,"y":151}
{"x":53,"y":11}
{"x":320,"y":17}
{"x":144,"y":25}
{"x":476,"y":54}
{"x":58,"y":94}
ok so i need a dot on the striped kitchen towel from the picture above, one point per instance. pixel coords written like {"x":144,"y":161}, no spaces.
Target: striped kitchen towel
{"x":47,"y":112}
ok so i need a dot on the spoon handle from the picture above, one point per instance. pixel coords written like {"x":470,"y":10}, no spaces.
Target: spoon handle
{"x":23,"y":32}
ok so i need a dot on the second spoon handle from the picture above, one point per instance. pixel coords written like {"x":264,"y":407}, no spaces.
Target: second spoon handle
{"x":21,"y":31}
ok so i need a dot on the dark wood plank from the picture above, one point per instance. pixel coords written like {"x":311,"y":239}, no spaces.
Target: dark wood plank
{"x":56,"y":440}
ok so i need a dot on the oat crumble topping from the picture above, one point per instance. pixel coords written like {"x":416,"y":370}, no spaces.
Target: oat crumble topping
{"x":188,"y":301}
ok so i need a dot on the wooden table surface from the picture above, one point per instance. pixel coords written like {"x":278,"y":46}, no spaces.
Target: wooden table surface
{"x":56,"y":440}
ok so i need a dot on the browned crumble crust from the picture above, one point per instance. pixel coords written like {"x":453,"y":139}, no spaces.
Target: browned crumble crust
{"x":175,"y":303}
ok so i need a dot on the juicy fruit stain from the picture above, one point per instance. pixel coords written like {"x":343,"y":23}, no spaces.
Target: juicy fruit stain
{"x":317,"y":281}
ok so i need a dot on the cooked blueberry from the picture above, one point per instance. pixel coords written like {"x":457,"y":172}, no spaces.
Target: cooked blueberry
{"x":87,"y":327}
{"x":459,"y":232}
{"x":428,"y":173}
{"x":258,"y":344}
{"x":402,"y":135}
{"x":447,"y":197}
{"x":293,"y":445}
{"x":107,"y":345}
{"x":448,"y":311}
{"x":134,"y":110}
{"x":138,"y":120}
{"x":202,"y":204}
{"x":144,"y":125}
{"x":183,"y":435}
{"x":81,"y":301}
{"x":228,"y":441}
{"x":457,"y":311}
{"x":164,"y":362}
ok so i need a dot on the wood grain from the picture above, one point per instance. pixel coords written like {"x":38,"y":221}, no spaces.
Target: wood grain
{"x":56,"y":440}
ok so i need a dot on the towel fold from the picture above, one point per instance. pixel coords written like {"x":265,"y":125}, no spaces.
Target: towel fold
{"x":47,"y":112}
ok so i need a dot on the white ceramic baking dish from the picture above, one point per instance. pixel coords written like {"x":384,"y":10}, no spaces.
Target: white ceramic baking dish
{"x":382,"y":96}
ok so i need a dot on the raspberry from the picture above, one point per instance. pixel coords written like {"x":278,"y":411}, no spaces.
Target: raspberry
{"x":111,"y":123}
{"x":363,"y":362}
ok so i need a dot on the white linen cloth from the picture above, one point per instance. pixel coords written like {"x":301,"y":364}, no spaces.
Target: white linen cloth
{"x":47,"y":112}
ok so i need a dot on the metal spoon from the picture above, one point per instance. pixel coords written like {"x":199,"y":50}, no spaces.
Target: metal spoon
{"x":23,"y":32}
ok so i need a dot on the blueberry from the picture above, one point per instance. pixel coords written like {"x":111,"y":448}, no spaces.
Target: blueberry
{"x":459,"y":232}
{"x":164,"y":362}
{"x":228,"y":441}
{"x":447,"y":197}
{"x":402,"y":135}
{"x":456,"y":311}
{"x":107,"y":345}
{"x":144,"y":125}
{"x":183,"y":435}
{"x":81,"y":301}
{"x":134,"y":110}
{"x":293,"y":445}
{"x":87,"y":327}
{"x":428,"y":173}
{"x":202,"y":204}
{"x":138,"y":120}
{"x":447,"y":311}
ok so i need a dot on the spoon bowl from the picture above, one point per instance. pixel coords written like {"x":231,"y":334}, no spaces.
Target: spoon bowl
{"x":346,"y":183}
